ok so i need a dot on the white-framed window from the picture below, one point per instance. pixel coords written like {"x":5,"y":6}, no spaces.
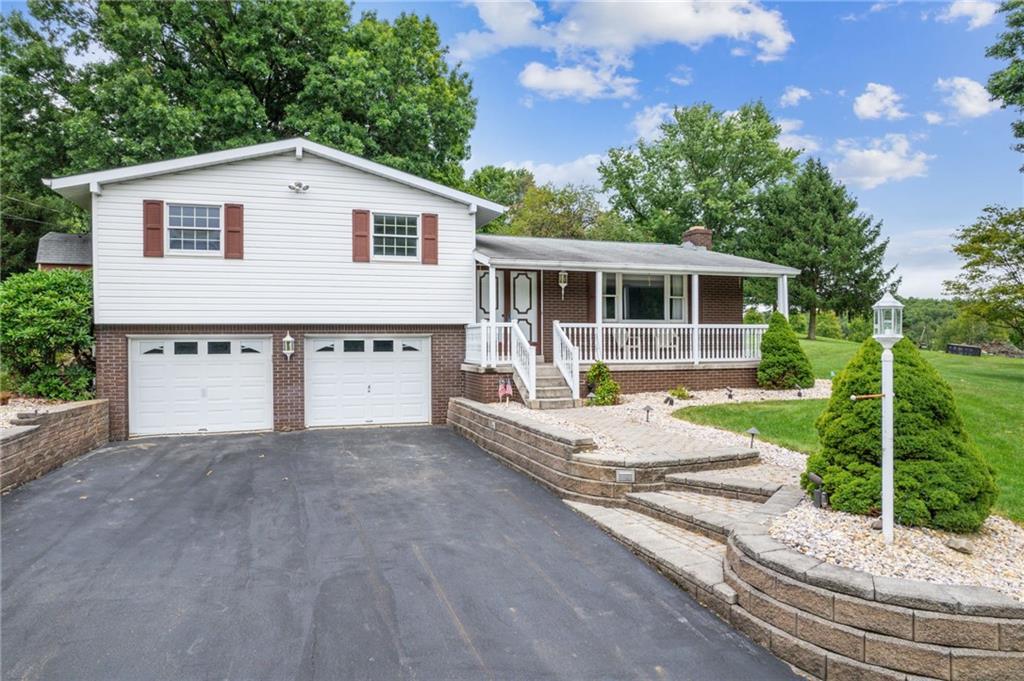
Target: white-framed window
{"x":645,"y":297}
{"x":194,"y":229}
{"x":396,"y":236}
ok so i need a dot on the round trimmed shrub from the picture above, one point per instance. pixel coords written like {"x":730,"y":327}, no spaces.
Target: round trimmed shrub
{"x":941,"y":481}
{"x":783,"y":364}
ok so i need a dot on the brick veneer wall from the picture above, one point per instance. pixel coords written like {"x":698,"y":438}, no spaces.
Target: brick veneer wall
{"x":38,"y":443}
{"x":483,"y":386}
{"x":707,"y":378}
{"x":447,"y":351}
{"x":577,"y":307}
{"x":721,"y":300}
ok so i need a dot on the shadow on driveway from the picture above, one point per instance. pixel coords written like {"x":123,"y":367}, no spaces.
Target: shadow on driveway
{"x":403,"y":553}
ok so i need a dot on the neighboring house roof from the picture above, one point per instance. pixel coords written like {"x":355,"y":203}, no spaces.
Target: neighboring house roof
{"x":80,"y":188}
{"x":57,"y":248}
{"x":580,"y":254}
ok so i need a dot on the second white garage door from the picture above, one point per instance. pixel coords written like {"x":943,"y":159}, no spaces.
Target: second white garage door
{"x":367,"y":380}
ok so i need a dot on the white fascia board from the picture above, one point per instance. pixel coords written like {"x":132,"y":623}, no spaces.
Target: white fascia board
{"x":481,"y":258}
{"x":72,"y":184}
{"x":644,"y":269}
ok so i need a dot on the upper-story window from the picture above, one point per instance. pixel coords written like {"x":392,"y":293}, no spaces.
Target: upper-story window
{"x":193,"y":229}
{"x":396,"y":235}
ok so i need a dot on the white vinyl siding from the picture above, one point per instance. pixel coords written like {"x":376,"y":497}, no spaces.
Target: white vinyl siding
{"x":298,"y":251}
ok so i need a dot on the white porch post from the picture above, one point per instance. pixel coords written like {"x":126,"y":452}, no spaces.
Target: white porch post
{"x":695,"y":315}
{"x":782,"y":295}
{"x":598,"y":314}
{"x":492,"y":319}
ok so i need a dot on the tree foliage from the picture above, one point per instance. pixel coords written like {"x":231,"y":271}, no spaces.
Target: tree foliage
{"x":940,"y":478}
{"x":1007,"y":84}
{"x":813,"y":224}
{"x":167,"y":79}
{"x":707,"y":168}
{"x":46,"y":332}
{"x":503,"y":185}
{"x":784,"y":364}
{"x":991,"y":282}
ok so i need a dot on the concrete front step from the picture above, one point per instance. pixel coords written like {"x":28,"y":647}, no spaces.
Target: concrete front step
{"x":692,"y":561}
{"x":751,"y":483}
{"x":713,"y":517}
{"x":555,"y":382}
{"x":553,"y":403}
{"x":679,"y":460}
{"x":555,"y":392}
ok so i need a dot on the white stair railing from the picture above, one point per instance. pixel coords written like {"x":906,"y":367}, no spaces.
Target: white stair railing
{"x":567,"y":359}
{"x":524,"y":361}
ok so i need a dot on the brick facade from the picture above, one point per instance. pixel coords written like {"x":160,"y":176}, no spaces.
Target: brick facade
{"x":697,"y":378}
{"x":577,"y":307}
{"x":447,"y":351}
{"x":38,"y":443}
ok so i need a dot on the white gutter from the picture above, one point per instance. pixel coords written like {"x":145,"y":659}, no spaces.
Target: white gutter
{"x":575,"y":266}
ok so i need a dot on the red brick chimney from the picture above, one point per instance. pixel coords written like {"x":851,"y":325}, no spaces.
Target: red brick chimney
{"x":698,"y":235}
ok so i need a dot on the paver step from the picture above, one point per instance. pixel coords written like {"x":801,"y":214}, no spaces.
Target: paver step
{"x":689,"y":559}
{"x":679,"y":459}
{"x":711,"y":516}
{"x":751,"y":483}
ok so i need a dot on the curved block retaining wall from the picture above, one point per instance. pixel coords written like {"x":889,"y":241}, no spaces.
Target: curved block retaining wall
{"x":38,"y":443}
{"x":838,"y":623}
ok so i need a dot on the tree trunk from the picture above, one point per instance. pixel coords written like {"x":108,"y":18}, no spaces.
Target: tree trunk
{"x":812,"y":322}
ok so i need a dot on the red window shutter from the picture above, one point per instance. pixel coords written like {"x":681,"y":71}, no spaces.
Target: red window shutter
{"x":234,"y":230}
{"x":360,"y":235}
{"x":153,"y":229}
{"x":428,"y":225}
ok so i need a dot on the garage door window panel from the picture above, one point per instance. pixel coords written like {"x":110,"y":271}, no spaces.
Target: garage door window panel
{"x":186,"y":348}
{"x":251,"y":348}
{"x":193,"y":229}
{"x":218,"y":348}
{"x":395,"y":236}
{"x":383,"y":346}
{"x":354,"y":346}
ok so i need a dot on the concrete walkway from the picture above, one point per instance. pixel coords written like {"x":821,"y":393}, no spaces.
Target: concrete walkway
{"x":347,"y":554}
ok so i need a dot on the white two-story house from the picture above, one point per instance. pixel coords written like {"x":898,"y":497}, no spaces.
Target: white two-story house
{"x":289,"y":285}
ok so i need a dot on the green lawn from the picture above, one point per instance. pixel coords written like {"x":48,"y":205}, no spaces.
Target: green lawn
{"x":989,"y":392}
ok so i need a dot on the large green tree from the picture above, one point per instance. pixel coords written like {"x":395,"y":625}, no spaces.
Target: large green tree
{"x":707,"y":168}
{"x":1007,"y":84}
{"x":504,"y":185}
{"x":991,"y":282}
{"x":163,"y":79}
{"x":813,"y":224}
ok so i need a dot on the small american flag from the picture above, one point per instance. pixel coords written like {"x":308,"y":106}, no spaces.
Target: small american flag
{"x":504,"y":388}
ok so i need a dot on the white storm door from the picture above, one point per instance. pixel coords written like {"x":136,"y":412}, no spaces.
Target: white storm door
{"x":367,"y":381}
{"x":482,"y":296}
{"x":524,"y":303}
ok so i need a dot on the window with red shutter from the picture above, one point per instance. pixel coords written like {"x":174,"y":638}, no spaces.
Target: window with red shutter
{"x":153,"y":229}
{"x":234,"y":230}
{"x":360,"y":235}
{"x":428,"y":225}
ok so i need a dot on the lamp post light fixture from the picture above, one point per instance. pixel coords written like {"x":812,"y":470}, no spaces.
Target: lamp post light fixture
{"x":888,"y":331}
{"x":288,"y":345}
{"x":753,"y":432}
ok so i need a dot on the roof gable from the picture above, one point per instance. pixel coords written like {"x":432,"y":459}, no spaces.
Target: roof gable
{"x":80,"y":188}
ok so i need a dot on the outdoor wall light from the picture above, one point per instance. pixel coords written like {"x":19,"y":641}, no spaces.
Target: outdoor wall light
{"x":288,"y":345}
{"x":299,"y":187}
{"x":563,"y":281}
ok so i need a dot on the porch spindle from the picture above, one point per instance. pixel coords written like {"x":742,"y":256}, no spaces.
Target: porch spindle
{"x":492,"y":321}
{"x":598,"y":314}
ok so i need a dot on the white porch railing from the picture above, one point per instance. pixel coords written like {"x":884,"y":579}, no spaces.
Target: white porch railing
{"x":483,"y":349}
{"x":524,"y":360}
{"x":567,"y":359}
{"x":654,"y":342}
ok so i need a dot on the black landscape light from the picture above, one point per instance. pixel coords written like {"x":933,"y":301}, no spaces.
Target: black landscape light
{"x":752,"y":432}
{"x":820,"y":495}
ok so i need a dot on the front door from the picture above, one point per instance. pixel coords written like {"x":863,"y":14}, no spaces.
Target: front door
{"x":522,"y":304}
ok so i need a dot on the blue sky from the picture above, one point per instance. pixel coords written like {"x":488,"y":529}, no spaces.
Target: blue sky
{"x":888,"y":94}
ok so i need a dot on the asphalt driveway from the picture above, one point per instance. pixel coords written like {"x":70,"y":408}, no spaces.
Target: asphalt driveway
{"x":333,"y":554}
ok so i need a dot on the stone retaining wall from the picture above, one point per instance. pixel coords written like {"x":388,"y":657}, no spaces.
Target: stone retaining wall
{"x":38,"y":443}
{"x":838,"y":623}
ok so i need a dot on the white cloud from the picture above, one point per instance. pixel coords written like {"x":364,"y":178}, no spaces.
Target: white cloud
{"x":879,"y":101}
{"x":582,"y":170}
{"x":578,"y":82}
{"x":603,"y":36}
{"x":791,"y":137}
{"x":886,"y":159}
{"x":968,"y":98}
{"x":977,"y":12}
{"x":647,"y":123}
{"x":933,"y":117}
{"x":793,"y":95}
{"x":683,"y":76}
{"x":924,"y":258}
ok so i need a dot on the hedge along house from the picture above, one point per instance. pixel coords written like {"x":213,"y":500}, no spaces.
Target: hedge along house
{"x":289,"y":285}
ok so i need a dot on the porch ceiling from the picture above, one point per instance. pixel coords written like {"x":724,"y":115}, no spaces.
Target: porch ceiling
{"x":582,"y":255}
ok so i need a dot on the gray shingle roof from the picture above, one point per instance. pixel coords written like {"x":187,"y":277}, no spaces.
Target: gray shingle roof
{"x":580,"y":254}
{"x":57,"y":248}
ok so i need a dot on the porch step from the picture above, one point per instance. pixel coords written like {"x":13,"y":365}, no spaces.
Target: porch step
{"x":553,"y":403}
{"x":713,"y":517}
{"x":551,"y":382}
{"x":751,"y":483}
{"x":553,"y":392}
{"x":691,"y":560}
{"x":548,"y":371}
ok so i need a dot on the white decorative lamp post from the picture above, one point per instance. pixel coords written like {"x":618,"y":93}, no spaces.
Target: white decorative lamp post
{"x":888,"y":331}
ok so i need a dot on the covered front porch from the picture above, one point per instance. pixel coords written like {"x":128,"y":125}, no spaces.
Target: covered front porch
{"x":649,"y":308}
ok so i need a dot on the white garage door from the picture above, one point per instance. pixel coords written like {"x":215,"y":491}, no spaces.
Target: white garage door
{"x":199,"y":385}
{"x":367,"y":380}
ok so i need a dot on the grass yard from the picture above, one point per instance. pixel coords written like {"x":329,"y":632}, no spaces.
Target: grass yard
{"x":989,"y":393}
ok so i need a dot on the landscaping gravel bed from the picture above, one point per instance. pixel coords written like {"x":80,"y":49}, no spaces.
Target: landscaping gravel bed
{"x":18,"y":405}
{"x":996,"y":559}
